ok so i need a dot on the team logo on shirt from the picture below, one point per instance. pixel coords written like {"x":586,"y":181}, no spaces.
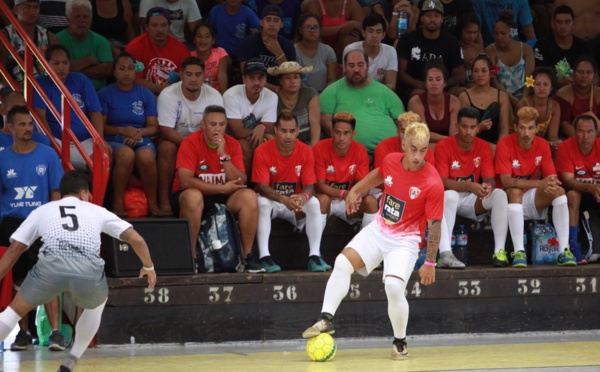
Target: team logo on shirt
{"x":330,"y":169}
{"x":1,"y":148}
{"x":538,"y":160}
{"x":455,"y":165}
{"x":285,"y":188}
{"x":415,"y":53}
{"x":516,"y":164}
{"x":203,"y":167}
{"x":137,"y":108}
{"x":477,"y":161}
{"x":392,"y":209}
{"x":79,"y":100}
{"x":40,"y":169}
{"x":414,"y":192}
{"x":11,"y":174}
{"x":352,"y":169}
{"x":388,"y":181}
{"x":298,"y":170}
{"x":273,"y":170}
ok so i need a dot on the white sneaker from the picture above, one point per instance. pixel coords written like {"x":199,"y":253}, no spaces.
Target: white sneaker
{"x":449,"y":261}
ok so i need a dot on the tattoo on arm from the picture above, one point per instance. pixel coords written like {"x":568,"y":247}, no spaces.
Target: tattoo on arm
{"x":433,"y":239}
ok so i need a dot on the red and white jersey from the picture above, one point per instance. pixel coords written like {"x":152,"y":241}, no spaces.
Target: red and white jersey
{"x":286,"y":175}
{"x":340,"y":172}
{"x":390,"y":145}
{"x":454,"y":163}
{"x":409,"y":198}
{"x":195,"y":155}
{"x":585,"y":168}
{"x":533,"y":164}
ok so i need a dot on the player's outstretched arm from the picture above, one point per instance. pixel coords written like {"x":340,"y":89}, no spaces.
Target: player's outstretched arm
{"x":141,"y":249}
{"x":354,"y":197}
{"x":7,"y":261}
{"x":427,"y":272}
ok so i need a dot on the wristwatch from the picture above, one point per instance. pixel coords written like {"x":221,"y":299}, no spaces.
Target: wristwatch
{"x":225,"y":158}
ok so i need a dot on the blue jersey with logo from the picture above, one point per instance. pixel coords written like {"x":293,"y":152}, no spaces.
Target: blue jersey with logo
{"x":6,"y":140}
{"x":26,"y":180}
{"x":127,"y":109}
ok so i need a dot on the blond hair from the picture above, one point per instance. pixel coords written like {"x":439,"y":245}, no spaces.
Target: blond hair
{"x":344,"y":117}
{"x":408,"y":117}
{"x":417,"y":131}
{"x":527,"y":114}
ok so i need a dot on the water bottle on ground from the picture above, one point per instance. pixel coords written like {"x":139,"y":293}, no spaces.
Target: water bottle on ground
{"x":461,"y":249}
{"x":402,"y":24}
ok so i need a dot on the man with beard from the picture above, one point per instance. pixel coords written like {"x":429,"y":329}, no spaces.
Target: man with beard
{"x":180,"y":111}
{"x":374,"y":105}
{"x":424,"y":44}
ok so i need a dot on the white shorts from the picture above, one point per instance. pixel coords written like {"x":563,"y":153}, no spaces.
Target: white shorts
{"x":466,"y":206}
{"x":399,"y":255}
{"x":280,"y":211}
{"x":76,"y":157}
{"x":530,"y":212}
{"x":338,"y":209}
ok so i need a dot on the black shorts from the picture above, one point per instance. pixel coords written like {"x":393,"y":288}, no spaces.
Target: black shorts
{"x":28,"y":259}
{"x":209,"y":202}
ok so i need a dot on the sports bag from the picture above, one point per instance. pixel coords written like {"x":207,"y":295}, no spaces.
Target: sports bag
{"x":219,"y":242}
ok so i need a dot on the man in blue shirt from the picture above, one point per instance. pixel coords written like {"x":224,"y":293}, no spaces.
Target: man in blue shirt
{"x":10,"y":99}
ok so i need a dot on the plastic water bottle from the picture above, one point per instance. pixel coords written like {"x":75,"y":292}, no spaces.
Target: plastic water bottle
{"x":402,"y":24}
{"x":461,"y":249}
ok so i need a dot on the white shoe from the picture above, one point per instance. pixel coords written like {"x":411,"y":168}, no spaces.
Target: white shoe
{"x":449,"y":261}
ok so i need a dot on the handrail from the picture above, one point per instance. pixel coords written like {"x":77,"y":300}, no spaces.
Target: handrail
{"x":100,"y":162}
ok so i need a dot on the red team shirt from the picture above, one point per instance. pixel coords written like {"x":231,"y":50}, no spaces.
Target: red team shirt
{"x":513,"y":160}
{"x":585,"y":168}
{"x":390,"y":145}
{"x":454,"y":163}
{"x":286,"y":175}
{"x":409,"y":198}
{"x":195,"y":155}
{"x":337,"y":171}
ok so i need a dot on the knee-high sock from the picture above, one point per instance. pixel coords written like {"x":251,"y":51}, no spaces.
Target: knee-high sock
{"x":8,"y":320}
{"x":397,"y":305}
{"x":337,"y":285}
{"x":314,"y":225}
{"x":265,"y":208}
{"x":324,"y":221}
{"x":367,"y":219}
{"x":560,"y":219}
{"x":86,"y":328}
{"x":498,"y":203}
{"x":515,"y":224}
{"x":450,"y":207}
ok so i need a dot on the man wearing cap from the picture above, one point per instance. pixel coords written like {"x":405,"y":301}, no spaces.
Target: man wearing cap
{"x":90,"y":52}
{"x":251,"y":109}
{"x":267,"y":45}
{"x":28,"y":14}
{"x":160,"y":53}
{"x":182,"y":12}
{"x":424,"y":44}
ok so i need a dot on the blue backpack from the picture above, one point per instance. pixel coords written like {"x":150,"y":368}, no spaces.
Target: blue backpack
{"x":219,"y":242}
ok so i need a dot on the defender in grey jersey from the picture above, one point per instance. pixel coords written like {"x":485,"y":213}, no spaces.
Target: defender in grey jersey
{"x":69,"y":260}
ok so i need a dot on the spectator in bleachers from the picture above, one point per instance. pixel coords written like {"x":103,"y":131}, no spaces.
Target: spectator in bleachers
{"x":291,"y":11}
{"x":85,"y":96}
{"x":488,"y":12}
{"x":251,"y":110}
{"x":525,"y":170}
{"x":180,"y":110}
{"x":439,"y":109}
{"x":53,"y":16}
{"x":284,"y":173}
{"x":587,"y":26}
{"x":27,"y":13}
{"x":541,"y":99}
{"x":183,"y":12}
{"x":466,"y":166}
{"x":267,"y":45}
{"x":413,"y":17}
{"x":310,"y":51}
{"x":561,"y":45}
{"x":373,"y":104}
{"x":10,"y":99}
{"x":514,"y":59}
{"x":160,"y":53}
{"x":113,"y":20}
{"x":576,"y":162}
{"x":492,"y":103}
{"x":340,"y":20}
{"x":340,"y":162}
{"x":30,"y":174}
{"x":424,"y":44}
{"x":210,"y":170}
{"x":383,"y":59}
{"x":579,"y":97}
{"x":129,"y":113}
{"x":233,"y":23}
{"x":468,"y":33}
{"x":217,"y":63}
{"x":453,"y":9}
{"x":89,"y":51}
{"x":302,"y":101}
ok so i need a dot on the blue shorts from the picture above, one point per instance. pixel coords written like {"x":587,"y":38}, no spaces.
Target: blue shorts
{"x":118,"y":141}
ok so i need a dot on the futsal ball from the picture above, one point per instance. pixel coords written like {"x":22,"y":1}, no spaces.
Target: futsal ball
{"x":321,"y":348}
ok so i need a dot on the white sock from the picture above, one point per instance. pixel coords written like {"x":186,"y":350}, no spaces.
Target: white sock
{"x":515,"y":224}
{"x":314,"y":227}
{"x":337,"y":285}
{"x":498,"y":203}
{"x":367,"y":219}
{"x":560,"y":219}
{"x":324,"y":221}
{"x":451,"y":198}
{"x":87,"y":326}
{"x":446,"y":238}
{"x":397,"y":305}
{"x":265,"y":208}
{"x":8,"y":321}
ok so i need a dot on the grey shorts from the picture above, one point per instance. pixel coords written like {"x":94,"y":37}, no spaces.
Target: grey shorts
{"x":40,"y":287}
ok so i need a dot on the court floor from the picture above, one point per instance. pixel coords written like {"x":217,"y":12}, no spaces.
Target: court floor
{"x":564,"y":351}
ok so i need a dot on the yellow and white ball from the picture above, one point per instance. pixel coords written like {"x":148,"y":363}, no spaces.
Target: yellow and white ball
{"x":321,"y":348}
